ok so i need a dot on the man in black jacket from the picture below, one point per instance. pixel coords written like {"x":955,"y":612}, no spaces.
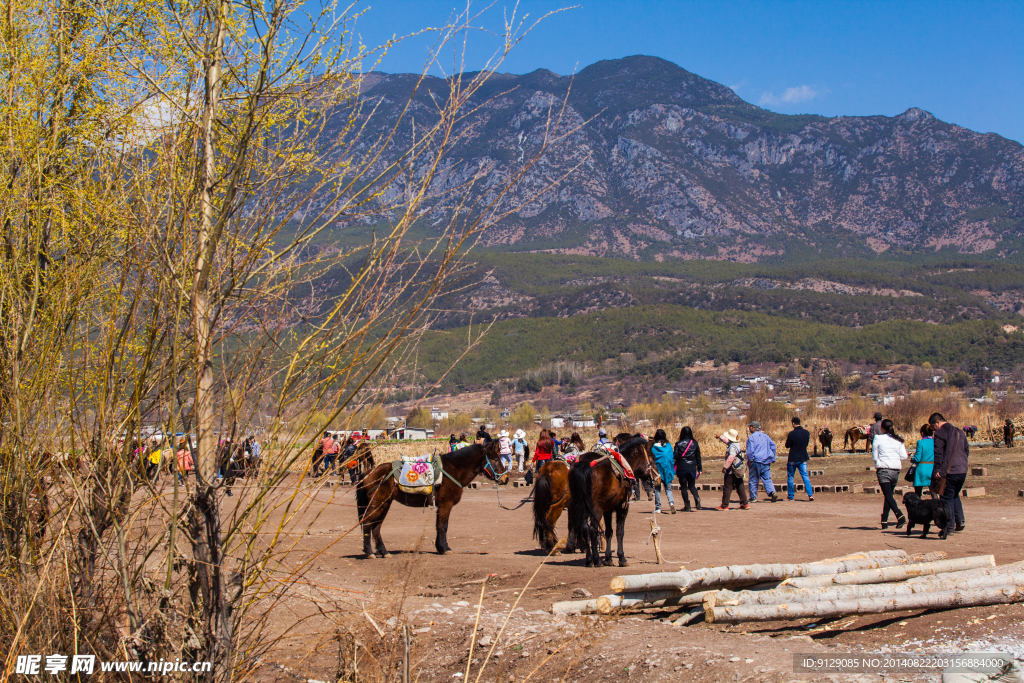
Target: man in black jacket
{"x":796,"y":442}
{"x":950,"y":473}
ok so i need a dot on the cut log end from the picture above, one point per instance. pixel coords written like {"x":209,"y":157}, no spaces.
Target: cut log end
{"x":604,"y":605}
{"x":709,"y":615}
{"x":618,"y":584}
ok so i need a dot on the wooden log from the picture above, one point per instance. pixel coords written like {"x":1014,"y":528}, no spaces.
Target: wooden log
{"x":665,"y":598}
{"x":656,"y":537}
{"x":836,"y":608}
{"x":750,"y":573}
{"x":574,"y":607}
{"x":1011,"y":568}
{"x":890,"y":574}
{"x":935,"y":583}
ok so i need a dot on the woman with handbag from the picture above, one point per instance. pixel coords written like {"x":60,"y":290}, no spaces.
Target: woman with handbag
{"x":688,"y":467}
{"x":923,"y":461}
{"x":888,"y":452}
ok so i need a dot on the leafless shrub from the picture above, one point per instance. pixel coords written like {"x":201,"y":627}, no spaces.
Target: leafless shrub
{"x":159,"y":242}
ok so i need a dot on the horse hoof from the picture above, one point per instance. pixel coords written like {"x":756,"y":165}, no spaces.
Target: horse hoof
{"x":623,"y":563}
{"x":385,"y":554}
{"x":447,"y":552}
{"x":370,"y":556}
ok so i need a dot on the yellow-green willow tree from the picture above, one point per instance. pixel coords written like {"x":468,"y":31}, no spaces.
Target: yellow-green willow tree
{"x":168,"y":170}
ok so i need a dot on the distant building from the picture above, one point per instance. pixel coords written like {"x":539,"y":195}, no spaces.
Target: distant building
{"x":410,"y":433}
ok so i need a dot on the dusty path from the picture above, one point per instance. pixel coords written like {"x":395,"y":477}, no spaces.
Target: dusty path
{"x":434,"y":594}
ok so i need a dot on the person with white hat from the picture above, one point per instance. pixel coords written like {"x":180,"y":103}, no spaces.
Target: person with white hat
{"x":519,"y":446}
{"x":733,"y":470}
{"x":505,"y":449}
{"x":602,"y":436}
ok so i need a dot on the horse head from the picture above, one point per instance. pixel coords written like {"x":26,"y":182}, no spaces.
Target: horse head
{"x":637,"y":450}
{"x":494,"y":468}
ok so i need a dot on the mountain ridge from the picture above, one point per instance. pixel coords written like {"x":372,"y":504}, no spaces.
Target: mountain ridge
{"x":670,"y":165}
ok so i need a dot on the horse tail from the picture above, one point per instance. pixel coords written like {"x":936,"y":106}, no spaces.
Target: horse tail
{"x":581,"y":505}
{"x":541,"y":504}
{"x":362,"y":499}
{"x":846,"y":439}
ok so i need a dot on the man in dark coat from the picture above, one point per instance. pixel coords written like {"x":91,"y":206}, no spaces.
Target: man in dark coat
{"x":796,"y":442}
{"x":950,"y":473}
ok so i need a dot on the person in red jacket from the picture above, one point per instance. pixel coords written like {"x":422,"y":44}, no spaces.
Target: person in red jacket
{"x":544,"y":450}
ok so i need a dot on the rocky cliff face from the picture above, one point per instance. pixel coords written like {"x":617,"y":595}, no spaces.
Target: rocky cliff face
{"x":655,"y":162}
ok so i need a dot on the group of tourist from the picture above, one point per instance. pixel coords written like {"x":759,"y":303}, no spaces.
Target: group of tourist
{"x":334,"y":455}
{"x":940,"y":462}
{"x":232,"y":459}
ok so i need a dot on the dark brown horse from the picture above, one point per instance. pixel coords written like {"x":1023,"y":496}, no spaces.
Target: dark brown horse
{"x":825,"y":439}
{"x":596,"y":492}
{"x":551,"y":496}
{"x":378,"y":489}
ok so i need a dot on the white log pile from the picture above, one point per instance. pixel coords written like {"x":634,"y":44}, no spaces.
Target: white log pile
{"x":863,"y":583}
{"x":973,"y":597}
{"x":940,"y":582}
{"x":890,"y":574}
{"x":739,"y":574}
{"x":607,"y":603}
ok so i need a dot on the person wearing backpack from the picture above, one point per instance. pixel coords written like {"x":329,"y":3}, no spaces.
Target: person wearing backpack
{"x":664,"y":461}
{"x":688,"y":466}
{"x":734,"y":470}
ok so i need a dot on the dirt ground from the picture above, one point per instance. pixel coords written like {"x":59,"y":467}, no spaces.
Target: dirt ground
{"x":437,"y":595}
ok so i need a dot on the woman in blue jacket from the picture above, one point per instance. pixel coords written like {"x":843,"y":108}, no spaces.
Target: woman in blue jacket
{"x":924,"y":459}
{"x":665,"y":462}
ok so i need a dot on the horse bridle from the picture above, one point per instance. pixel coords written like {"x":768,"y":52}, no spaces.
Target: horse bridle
{"x":647,"y":461}
{"x":489,"y":467}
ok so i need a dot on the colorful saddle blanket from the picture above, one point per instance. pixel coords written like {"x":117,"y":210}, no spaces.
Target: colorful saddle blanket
{"x":618,"y":463}
{"x":417,"y":474}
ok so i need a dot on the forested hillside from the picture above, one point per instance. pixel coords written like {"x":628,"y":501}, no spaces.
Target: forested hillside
{"x":666,"y":338}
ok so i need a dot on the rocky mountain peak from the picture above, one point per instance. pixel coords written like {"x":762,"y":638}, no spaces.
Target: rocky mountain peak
{"x":660,"y":163}
{"x":914,"y":114}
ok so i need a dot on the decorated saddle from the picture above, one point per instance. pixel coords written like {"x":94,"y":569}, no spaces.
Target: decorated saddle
{"x":618,"y":463}
{"x":417,"y":474}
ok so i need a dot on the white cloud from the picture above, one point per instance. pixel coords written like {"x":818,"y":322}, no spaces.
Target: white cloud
{"x":795,"y":95}
{"x":742,"y":84}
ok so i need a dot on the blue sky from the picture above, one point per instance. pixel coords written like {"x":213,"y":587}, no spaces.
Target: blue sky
{"x":962,"y":61}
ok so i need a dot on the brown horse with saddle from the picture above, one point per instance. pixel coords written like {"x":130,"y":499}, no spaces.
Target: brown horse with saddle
{"x":551,"y":496}
{"x":598,"y":487}
{"x":452,"y":472}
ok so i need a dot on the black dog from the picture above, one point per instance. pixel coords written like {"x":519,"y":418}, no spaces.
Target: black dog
{"x":925,"y":512}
